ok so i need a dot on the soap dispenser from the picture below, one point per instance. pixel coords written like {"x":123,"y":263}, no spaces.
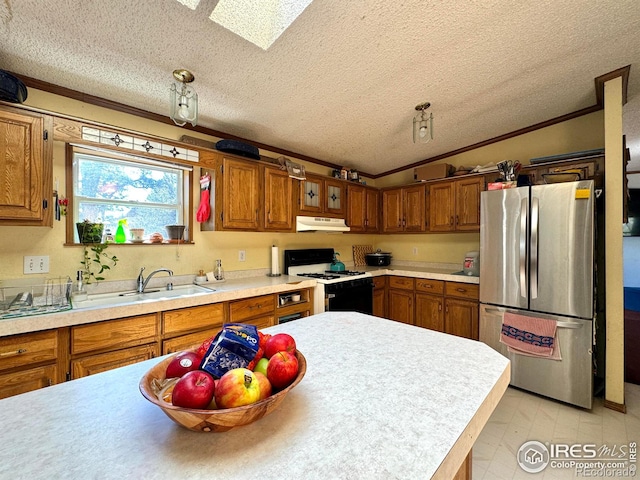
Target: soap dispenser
{"x":79,"y":293}
{"x":218,"y":271}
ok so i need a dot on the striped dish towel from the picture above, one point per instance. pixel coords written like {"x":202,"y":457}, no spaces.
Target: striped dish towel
{"x":530,"y":336}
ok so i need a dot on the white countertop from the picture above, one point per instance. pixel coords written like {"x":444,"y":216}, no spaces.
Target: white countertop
{"x":232,"y":289}
{"x":380,"y":399}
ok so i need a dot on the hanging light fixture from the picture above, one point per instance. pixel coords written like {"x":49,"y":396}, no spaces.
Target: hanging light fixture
{"x":184,"y":99}
{"x":423,"y":124}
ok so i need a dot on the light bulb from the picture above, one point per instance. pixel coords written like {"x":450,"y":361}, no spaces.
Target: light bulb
{"x":183,"y":110}
{"x":423,"y":131}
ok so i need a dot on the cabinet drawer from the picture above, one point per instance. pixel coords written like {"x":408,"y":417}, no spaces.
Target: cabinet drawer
{"x":252,"y":307}
{"x":187,"y":342}
{"x":19,"y":350}
{"x":403,"y":283}
{"x":193,"y":318}
{"x":103,"y":362}
{"x":27,"y":380}
{"x":379,"y":282}
{"x":262,"y":322}
{"x":435,"y":287}
{"x":125,"y":332}
{"x":462,"y":290}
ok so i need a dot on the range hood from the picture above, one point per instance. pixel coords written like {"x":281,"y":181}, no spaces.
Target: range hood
{"x":321,"y":224}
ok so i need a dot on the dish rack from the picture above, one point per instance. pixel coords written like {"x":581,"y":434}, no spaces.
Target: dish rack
{"x":20,"y":298}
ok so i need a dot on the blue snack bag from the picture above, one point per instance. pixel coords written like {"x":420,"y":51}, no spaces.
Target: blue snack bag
{"x":234,"y":347}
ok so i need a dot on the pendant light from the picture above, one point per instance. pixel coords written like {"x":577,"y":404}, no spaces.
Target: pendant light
{"x":423,"y":124}
{"x":184,"y":99}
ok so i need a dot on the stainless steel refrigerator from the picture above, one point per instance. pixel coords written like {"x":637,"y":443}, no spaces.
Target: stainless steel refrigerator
{"x":537,"y":260}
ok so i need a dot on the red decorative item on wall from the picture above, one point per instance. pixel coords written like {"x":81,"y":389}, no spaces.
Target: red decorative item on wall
{"x":204,"y":210}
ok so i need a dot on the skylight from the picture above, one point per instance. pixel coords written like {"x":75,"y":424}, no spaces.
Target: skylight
{"x":259,"y":21}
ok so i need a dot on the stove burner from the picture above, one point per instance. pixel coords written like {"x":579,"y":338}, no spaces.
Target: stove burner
{"x":321,"y":276}
{"x":344,"y":272}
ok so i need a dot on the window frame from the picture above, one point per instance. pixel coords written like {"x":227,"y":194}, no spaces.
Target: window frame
{"x":186,"y":188}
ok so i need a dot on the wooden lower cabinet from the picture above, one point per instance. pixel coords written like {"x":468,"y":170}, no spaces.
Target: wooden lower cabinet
{"x":29,"y":361}
{"x":187,"y":342}
{"x":258,"y":311}
{"x":461,"y":318}
{"x":92,"y":364}
{"x":25,"y":380}
{"x":400,"y":307}
{"x":380,"y":296}
{"x":430,"y":312}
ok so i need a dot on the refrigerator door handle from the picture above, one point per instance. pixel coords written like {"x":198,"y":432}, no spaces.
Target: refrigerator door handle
{"x":535,"y":216}
{"x":569,"y":325}
{"x":523,"y":248}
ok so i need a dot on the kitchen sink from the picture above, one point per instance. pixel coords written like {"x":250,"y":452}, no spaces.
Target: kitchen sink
{"x":127,"y":298}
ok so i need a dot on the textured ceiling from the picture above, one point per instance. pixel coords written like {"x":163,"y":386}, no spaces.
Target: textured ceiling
{"x":341,"y":83}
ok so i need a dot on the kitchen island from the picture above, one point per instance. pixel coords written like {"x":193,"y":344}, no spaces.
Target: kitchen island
{"x":380,"y":399}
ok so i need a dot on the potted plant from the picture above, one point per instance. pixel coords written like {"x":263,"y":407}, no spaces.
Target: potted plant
{"x":89,"y":232}
{"x":95,"y":261}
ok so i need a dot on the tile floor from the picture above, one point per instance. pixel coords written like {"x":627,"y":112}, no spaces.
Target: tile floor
{"x":522,"y":416}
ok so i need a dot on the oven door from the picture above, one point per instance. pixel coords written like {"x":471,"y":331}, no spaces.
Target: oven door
{"x":350,"y":296}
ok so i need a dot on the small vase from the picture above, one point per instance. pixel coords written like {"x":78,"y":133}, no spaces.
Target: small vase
{"x":89,"y":232}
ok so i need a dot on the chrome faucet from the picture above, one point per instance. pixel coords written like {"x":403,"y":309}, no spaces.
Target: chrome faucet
{"x":142,"y":283}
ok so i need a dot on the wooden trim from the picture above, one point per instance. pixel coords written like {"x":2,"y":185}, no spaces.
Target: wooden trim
{"x":120,"y":107}
{"x":602,"y":79}
{"x":618,"y":407}
{"x":500,"y":138}
{"x":101,"y":102}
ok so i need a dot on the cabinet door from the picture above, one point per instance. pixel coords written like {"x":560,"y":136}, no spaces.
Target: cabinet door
{"x":372,"y":211}
{"x":392,"y":210}
{"x":441,"y":207}
{"x":468,"y":203}
{"x":311,"y":195}
{"x":27,"y":380}
{"x":400,"y":307}
{"x":379,"y":302}
{"x":335,"y":204}
{"x":430,"y":312}
{"x":461,"y":318}
{"x":22,"y":166}
{"x":187,"y":342}
{"x":414,"y":208}
{"x":241,"y":195}
{"x":278,"y":200}
{"x":93,"y":364}
{"x":356,"y":208}
{"x":262,"y":322}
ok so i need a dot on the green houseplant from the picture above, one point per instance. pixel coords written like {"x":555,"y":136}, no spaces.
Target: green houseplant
{"x":89,"y":232}
{"x":95,"y":261}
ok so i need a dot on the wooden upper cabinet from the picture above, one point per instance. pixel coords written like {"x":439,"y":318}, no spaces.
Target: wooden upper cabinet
{"x":442,"y":207}
{"x":25,"y":168}
{"x":414,"y":208}
{"x":455,"y":205}
{"x":278,"y":200}
{"x":240,"y":195}
{"x":362,"y":208}
{"x":468,"y":203}
{"x":404,"y":209}
{"x":318,"y":195}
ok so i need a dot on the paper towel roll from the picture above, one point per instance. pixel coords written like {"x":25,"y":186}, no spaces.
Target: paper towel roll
{"x":275,"y":266}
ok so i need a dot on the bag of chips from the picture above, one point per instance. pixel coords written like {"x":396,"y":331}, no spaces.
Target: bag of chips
{"x":234,"y":347}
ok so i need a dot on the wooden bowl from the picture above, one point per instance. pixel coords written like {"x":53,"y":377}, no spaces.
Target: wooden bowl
{"x":213,"y":420}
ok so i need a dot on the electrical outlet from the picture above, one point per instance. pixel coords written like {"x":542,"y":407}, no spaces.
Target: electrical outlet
{"x":242,"y":255}
{"x":36,"y":264}
{"x":415,"y":250}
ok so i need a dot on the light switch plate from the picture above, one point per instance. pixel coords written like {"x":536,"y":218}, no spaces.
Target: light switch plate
{"x":242,"y":255}
{"x":36,"y":264}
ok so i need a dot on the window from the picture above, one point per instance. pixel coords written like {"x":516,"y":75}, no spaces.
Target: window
{"x":149,"y":194}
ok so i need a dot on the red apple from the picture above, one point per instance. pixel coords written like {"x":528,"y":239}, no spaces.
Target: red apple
{"x":282,"y":369}
{"x":182,"y":363}
{"x":278,"y":343}
{"x":237,"y":387}
{"x":195,"y":389}
{"x":265,"y":385}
